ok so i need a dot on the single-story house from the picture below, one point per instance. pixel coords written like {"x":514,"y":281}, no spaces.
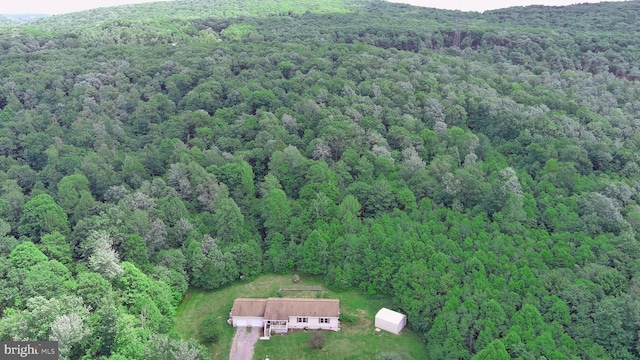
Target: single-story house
{"x":390,"y":320}
{"x":281,"y":314}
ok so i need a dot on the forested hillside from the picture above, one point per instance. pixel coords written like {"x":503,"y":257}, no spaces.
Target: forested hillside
{"x":491,"y":189}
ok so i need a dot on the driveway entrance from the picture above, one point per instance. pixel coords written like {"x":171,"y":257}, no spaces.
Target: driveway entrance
{"x":243,"y":342}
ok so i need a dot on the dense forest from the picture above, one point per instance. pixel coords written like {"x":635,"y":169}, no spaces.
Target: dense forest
{"x":490,"y":186}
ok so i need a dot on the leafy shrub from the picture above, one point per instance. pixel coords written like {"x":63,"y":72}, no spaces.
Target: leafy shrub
{"x":209,"y":330}
{"x":348,"y":319}
{"x":317,"y":340}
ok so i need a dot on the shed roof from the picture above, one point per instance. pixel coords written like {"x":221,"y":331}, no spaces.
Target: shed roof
{"x":390,"y":315}
{"x":282,"y":308}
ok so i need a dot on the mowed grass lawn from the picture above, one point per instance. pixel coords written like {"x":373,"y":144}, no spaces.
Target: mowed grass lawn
{"x":355,"y":340}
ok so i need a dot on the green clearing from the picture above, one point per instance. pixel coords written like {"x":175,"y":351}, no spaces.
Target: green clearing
{"x":355,"y":340}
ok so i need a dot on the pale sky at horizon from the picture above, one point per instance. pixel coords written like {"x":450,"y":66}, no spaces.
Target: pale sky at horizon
{"x":66,"y":6}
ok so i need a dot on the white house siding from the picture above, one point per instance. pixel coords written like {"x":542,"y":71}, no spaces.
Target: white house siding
{"x":247,"y":321}
{"x":314,"y":323}
{"x":279,"y":331}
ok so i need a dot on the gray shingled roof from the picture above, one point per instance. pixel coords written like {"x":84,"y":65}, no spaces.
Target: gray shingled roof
{"x":282,"y":308}
{"x":248,"y":307}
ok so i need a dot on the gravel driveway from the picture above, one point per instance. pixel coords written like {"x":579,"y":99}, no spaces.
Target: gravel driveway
{"x":243,"y":342}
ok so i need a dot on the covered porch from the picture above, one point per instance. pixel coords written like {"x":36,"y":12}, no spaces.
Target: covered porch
{"x":277,"y":326}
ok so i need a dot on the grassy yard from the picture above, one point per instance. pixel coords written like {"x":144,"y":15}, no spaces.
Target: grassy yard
{"x":356,"y":340}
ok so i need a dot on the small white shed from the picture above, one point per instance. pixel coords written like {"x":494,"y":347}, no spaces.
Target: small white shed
{"x":390,"y":320}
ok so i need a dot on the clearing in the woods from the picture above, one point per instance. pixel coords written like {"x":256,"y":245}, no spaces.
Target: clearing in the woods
{"x":357,"y":338}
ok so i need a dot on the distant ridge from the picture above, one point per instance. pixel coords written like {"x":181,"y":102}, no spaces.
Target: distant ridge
{"x":13,"y":19}
{"x":192,"y":9}
{"x":569,"y":17}
{"x":4,"y":21}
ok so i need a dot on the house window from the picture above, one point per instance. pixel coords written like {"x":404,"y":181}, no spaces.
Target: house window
{"x":303,"y":320}
{"x":324,"y":320}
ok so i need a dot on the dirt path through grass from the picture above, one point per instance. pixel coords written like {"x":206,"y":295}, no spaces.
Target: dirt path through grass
{"x":243,"y":342}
